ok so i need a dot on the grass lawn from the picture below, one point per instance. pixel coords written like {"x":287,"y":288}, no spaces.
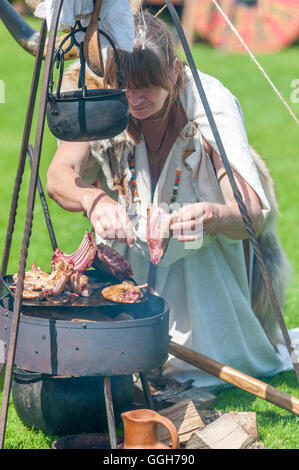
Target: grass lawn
{"x":271,"y":131}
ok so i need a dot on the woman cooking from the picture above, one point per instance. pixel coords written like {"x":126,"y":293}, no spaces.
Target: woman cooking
{"x":168,"y":157}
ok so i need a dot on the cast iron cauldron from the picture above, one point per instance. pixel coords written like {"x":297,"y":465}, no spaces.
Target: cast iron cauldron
{"x":84,"y":441}
{"x":85,"y":115}
{"x":97,"y":115}
{"x":54,"y":346}
{"x":68,"y":405}
{"x":70,"y":359}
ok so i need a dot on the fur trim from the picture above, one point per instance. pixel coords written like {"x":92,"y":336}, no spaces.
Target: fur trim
{"x":112,"y":154}
{"x":276,"y":262}
{"x":71,"y":77}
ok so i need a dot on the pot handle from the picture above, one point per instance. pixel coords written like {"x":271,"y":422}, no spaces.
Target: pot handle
{"x":59,"y":59}
{"x":170,"y":428}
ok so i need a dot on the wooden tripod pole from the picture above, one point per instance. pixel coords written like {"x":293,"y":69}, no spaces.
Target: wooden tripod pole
{"x":233,"y":376}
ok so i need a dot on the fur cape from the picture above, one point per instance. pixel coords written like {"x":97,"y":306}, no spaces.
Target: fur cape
{"x":108,"y":153}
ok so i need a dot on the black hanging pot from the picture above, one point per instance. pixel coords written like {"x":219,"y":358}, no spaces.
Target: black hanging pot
{"x":84,"y":115}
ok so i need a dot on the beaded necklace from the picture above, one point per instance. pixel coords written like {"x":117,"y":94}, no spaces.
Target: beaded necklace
{"x":136,"y":197}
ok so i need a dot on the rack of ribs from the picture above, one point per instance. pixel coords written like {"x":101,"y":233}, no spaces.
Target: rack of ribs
{"x":101,"y":257}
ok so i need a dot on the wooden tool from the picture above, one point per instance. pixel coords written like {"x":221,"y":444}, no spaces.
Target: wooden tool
{"x":142,"y":286}
{"x":151,"y":279}
{"x":235,"y":377}
{"x":92,"y":46}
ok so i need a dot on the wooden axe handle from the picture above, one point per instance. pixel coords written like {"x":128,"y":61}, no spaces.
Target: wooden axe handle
{"x":235,"y":377}
{"x":92,"y":46}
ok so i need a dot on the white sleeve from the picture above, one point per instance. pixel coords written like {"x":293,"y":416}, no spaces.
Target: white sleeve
{"x":229,"y":120}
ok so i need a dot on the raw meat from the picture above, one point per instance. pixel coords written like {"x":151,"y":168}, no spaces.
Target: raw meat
{"x":82,"y":258}
{"x":110,"y":261}
{"x":158,"y":221}
{"x":126,"y":292}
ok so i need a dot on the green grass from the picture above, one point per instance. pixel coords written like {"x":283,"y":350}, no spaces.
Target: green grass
{"x":271,"y":131}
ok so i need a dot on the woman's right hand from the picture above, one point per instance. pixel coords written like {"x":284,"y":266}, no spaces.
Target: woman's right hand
{"x":110,"y":220}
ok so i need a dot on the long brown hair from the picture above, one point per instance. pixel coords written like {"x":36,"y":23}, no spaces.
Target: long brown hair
{"x":149,"y":64}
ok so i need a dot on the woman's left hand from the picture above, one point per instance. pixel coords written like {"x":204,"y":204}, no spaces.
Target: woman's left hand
{"x":193,"y":221}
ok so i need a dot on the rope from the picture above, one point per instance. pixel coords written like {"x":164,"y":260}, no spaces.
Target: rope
{"x":255,"y":61}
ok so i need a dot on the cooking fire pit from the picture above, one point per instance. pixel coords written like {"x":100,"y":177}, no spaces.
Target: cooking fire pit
{"x":106,"y":339}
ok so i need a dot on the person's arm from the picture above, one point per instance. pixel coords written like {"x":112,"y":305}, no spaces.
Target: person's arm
{"x":222,"y":218}
{"x":64,"y":183}
{"x":70,"y":191}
